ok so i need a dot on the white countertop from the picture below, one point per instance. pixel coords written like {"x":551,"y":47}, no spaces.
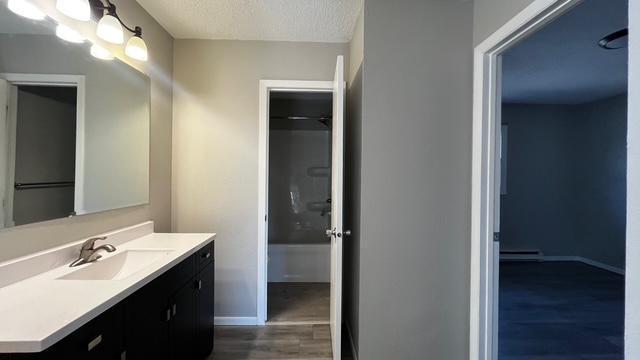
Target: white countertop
{"x":37,"y":312}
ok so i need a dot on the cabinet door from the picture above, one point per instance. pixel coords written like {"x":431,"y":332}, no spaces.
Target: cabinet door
{"x":100,"y":339}
{"x":147,"y":323}
{"x":181,"y":327}
{"x":204,"y":311}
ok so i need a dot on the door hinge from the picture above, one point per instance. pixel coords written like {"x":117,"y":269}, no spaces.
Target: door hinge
{"x":496,"y":236}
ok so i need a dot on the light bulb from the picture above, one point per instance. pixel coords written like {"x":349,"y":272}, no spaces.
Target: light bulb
{"x":66,"y":33}
{"x":101,"y":53}
{"x":110,"y":30}
{"x":76,"y":9}
{"x":136,"y":49}
{"x":26,"y":9}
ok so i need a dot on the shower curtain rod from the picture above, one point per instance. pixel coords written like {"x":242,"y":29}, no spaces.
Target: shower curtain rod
{"x":301,"y":117}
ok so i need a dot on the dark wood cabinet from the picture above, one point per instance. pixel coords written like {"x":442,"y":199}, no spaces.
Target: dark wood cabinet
{"x":169,"y":318}
{"x":182,"y":327}
{"x":204,"y":311}
{"x":147,"y":317}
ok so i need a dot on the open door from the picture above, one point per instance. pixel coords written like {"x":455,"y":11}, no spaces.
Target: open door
{"x":499,"y":155}
{"x":336,"y":231}
{"x":4,"y":148}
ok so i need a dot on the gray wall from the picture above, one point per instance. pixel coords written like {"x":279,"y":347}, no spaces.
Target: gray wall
{"x":490,"y":15}
{"x":215,"y":152}
{"x":603,"y":182}
{"x":352,"y":183}
{"x":415,"y":188}
{"x":539,"y":209}
{"x":352,"y":200}
{"x":19,"y":241}
{"x":566,"y":180}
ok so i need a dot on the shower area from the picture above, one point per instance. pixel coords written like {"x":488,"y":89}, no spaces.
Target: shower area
{"x":299,"y":204}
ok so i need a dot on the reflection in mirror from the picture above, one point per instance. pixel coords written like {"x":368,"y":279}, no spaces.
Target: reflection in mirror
{"x":77,"y":138}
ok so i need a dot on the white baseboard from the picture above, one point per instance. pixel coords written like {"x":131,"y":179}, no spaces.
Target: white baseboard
{"x":354,"y":353}
{"x":602,"y":266}
{"x":235,"y":321}
{"x":581,"y":259}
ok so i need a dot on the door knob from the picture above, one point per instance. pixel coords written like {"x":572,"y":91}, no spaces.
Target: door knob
{"x":334,"y":232}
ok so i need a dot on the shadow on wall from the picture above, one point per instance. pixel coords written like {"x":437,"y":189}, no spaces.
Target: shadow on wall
{"x":353,"y":155}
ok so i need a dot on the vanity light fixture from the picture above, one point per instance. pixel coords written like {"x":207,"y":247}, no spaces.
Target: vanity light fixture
{"x":26,"y":9}
{"x":75,"y":9}
{"x":136,"y":48}
{"x":66,"y":33}
{"x":110,"y":29}
{"x":101,"y":53}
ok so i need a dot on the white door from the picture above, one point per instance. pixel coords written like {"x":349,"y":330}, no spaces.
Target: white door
{"x":4,"y":147}
{"x":337,"y":170}
{"x":499,"y":153}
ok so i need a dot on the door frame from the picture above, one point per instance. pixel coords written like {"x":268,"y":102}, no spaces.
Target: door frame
{"x":61,"y":80}
{"x":485,"y":161}
{"x":266,"y":87}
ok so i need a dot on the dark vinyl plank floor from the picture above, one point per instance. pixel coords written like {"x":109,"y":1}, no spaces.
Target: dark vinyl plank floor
{"x":560,"y":311}
{"x":298,"y":302}
{"x":304,"y":342}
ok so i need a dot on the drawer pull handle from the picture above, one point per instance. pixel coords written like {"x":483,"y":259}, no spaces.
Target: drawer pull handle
{"x":95,"y":342}
{"x":168,"y":315}
{"x":206,"y":255}
{"x":199,"y":284}
{"x":174,"y":310}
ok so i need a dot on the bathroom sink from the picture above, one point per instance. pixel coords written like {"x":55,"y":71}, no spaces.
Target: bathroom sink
{"x":118,"y":266}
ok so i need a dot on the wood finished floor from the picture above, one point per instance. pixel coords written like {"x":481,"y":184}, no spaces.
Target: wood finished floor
{"x":304,"y":342}
{"x":560,"y":311}
{"x":298,"y":302}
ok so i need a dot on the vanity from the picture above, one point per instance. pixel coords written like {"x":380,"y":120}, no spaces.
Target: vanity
{"x":152,"y":298}
{"x":77,"y":124}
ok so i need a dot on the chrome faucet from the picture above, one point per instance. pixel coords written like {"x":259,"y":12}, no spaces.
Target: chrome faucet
{"x":89,"y":254}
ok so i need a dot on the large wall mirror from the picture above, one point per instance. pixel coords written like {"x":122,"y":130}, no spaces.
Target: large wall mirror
{"x":74,"y":138}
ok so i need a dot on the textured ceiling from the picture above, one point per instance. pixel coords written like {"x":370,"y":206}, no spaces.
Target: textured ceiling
{"x":281,"y":20}
{"x":562,"y":63}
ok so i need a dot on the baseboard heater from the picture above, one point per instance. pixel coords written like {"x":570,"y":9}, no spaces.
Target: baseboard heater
{"x":521,"y":255}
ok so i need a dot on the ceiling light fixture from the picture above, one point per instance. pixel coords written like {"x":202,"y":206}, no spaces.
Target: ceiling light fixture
{"x":110,"y":29}
{"x":75,"y":9}
{"x":68,"y":34}
{"x":101,"y":53}
{"x":26,"y":9}
{"x":616,"y":40}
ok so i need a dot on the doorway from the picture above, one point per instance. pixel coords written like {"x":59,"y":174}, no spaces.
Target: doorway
{"x":299,"y":198}
{"x":533,"y":279}
{"x":335,"y":232}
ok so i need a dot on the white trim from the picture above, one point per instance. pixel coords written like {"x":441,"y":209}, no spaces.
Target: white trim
{"x":483,"y":187}
{"x":297,"y":323}
{"x":77,"y":81}
{"x":235,"y":321}
{"x":602,"y":266}
{"x":12,"y":114}
{"x":354,"y":353}
{"x":556,"y":258}
{"x":265,"y":87}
